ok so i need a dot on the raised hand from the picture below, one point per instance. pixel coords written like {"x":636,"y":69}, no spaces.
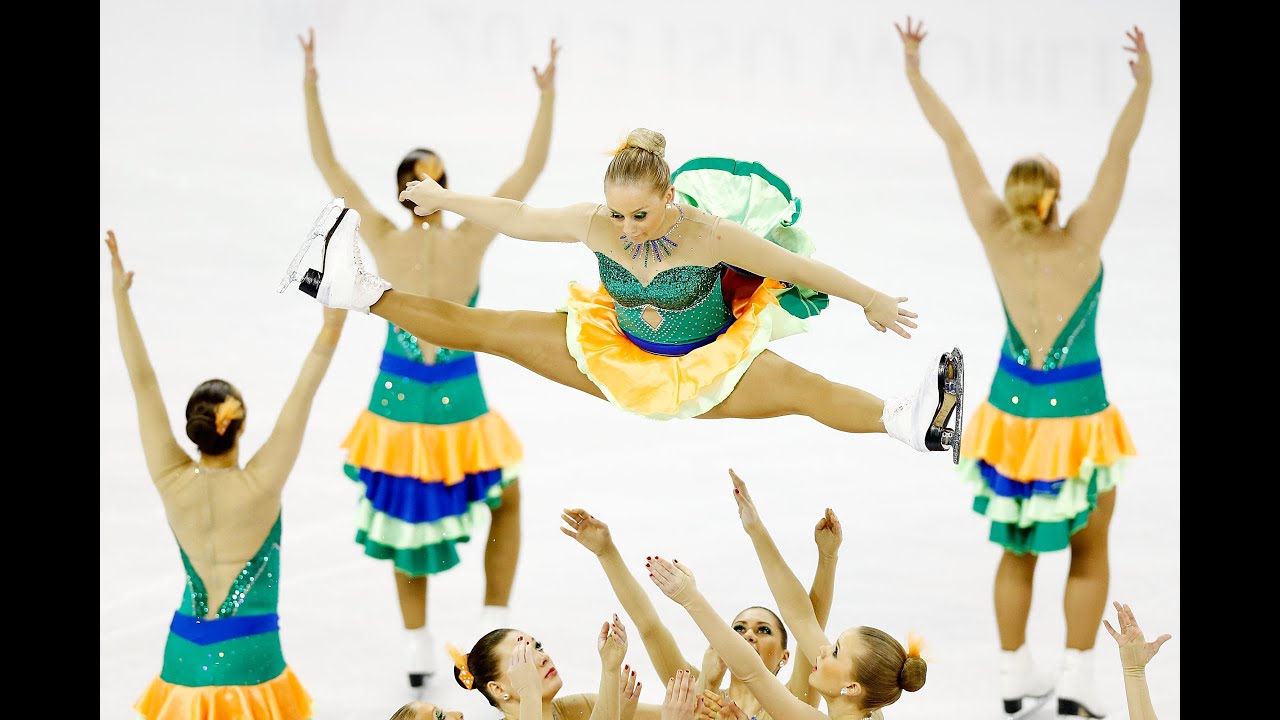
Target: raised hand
{"x":681,"y":702}
{"x":709,"y":708}
{"x":911,"y":40}
{"x":425,"y":194}
{"x":884,"y":314}
{"x":672,"y":578}
{"x":746,"y":506}
{"x":309,"y":52}
{"x":1135,"y":651}
{"x":121,"y":281}
{"x":731,"y":711}
{"x":628,"y":693}
{"x":828,"y":534}
{"x":612,"y":644}
{"x":523,"y":670}
{"x":547,"y":78}
{"x":1141,"y":65}
{"x":591,"y":533}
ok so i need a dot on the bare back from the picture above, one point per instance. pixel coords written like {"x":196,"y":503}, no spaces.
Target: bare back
{"x":442,"y":263}
{"x":1042,"y":278}
{"x":220,"y":519}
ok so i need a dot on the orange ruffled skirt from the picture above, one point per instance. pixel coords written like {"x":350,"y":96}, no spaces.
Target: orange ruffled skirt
{"x":664,"y":388}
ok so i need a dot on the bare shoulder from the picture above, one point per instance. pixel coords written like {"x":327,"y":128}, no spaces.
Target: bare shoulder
{"x":576,"y":707}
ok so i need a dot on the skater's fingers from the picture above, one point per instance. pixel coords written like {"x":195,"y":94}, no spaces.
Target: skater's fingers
{"x":1160,"y":641}
{"x":908,"y":323}
{"x":907,"y":313}
{"x":898,"y":329}
{"x":1114,"y":635}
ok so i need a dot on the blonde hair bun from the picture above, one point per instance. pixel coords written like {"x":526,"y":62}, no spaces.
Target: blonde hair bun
{"x":647,"y":139}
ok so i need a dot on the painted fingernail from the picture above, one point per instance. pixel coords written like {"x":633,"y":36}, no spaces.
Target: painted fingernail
{"x":646,"y":564}
{"x":676,"y":562}
{"x":519,"y":638}
{"x":735,"y":491}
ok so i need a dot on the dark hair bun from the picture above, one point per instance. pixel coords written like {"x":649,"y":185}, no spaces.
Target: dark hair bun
{"x":911,"y":677}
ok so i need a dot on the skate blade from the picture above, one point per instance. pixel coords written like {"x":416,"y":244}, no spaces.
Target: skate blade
{"x":323,"y":227}
{"x":951,"y":389}
{"x":1071,"y":708}
{"x":1025,"y":707}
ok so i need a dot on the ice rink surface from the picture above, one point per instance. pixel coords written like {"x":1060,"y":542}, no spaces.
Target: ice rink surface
{"x":208,"y":181}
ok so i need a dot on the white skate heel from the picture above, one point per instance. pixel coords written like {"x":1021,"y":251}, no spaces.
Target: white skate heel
{"x":421,"y":657}
{"x":1023,"y":689}
{"x":1077,"y":697}
{"x":920,"y":419}
{"x":342,"y":280}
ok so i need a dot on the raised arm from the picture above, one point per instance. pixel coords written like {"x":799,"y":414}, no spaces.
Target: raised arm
{"x":1091,"y":220}
{"x":274,"y":460}
{"x":509,"y":217}
{"x":1135,"y":653}
{"x":374,"y":225}
{"x":828,"y":535}
{"x":161,"y":450}
{"x":985,"y":209}
{"x":740,"y":247}
{"x":612,"y":645}
{"x":658,"y":641}
{"x":677,"y":583}
{"x":521,"y":181}
{"x":793,"y":601}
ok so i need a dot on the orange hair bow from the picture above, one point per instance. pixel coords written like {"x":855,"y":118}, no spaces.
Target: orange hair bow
{"x":460,"y":661}
{"x":1045,"y":204}
{"x":227,"y":411}
{"x":915,"y":644}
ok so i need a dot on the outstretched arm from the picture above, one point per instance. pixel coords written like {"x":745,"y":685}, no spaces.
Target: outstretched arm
{"x":509,"y":217}
{"x":828,"y":534}
{"x":161,"y":450}
{"x":1135,"y":653}
{"x":659,"y":643}
{"x":740,"y":247}
{"x":985,"y":209}
{"x":677,"y":583}
{"x":1093,"y":217}
{"x":793,"y":601}
{"x":274,"y":460}
{"x":374,"y":225}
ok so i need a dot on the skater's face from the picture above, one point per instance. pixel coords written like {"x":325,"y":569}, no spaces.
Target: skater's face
{"x":551,"y":682}
{"x":637,"y":211}
{"x":426,"y":711}
{"x":834,"y":668}
{"x":761,"y":630}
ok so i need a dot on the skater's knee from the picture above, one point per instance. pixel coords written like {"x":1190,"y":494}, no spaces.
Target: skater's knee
{"x":803,"y":389}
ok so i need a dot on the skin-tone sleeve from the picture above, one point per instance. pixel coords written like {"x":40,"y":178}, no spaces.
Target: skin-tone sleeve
{"x":273,"y":462}
{"x":374,"y":225}
{"x":737,"y":654}
{"x":1092,"y":219}
{"x":511,"y":217}
{"x":160,"y":448}
{"x":985,"y":209}
{"x":518,"y":185}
